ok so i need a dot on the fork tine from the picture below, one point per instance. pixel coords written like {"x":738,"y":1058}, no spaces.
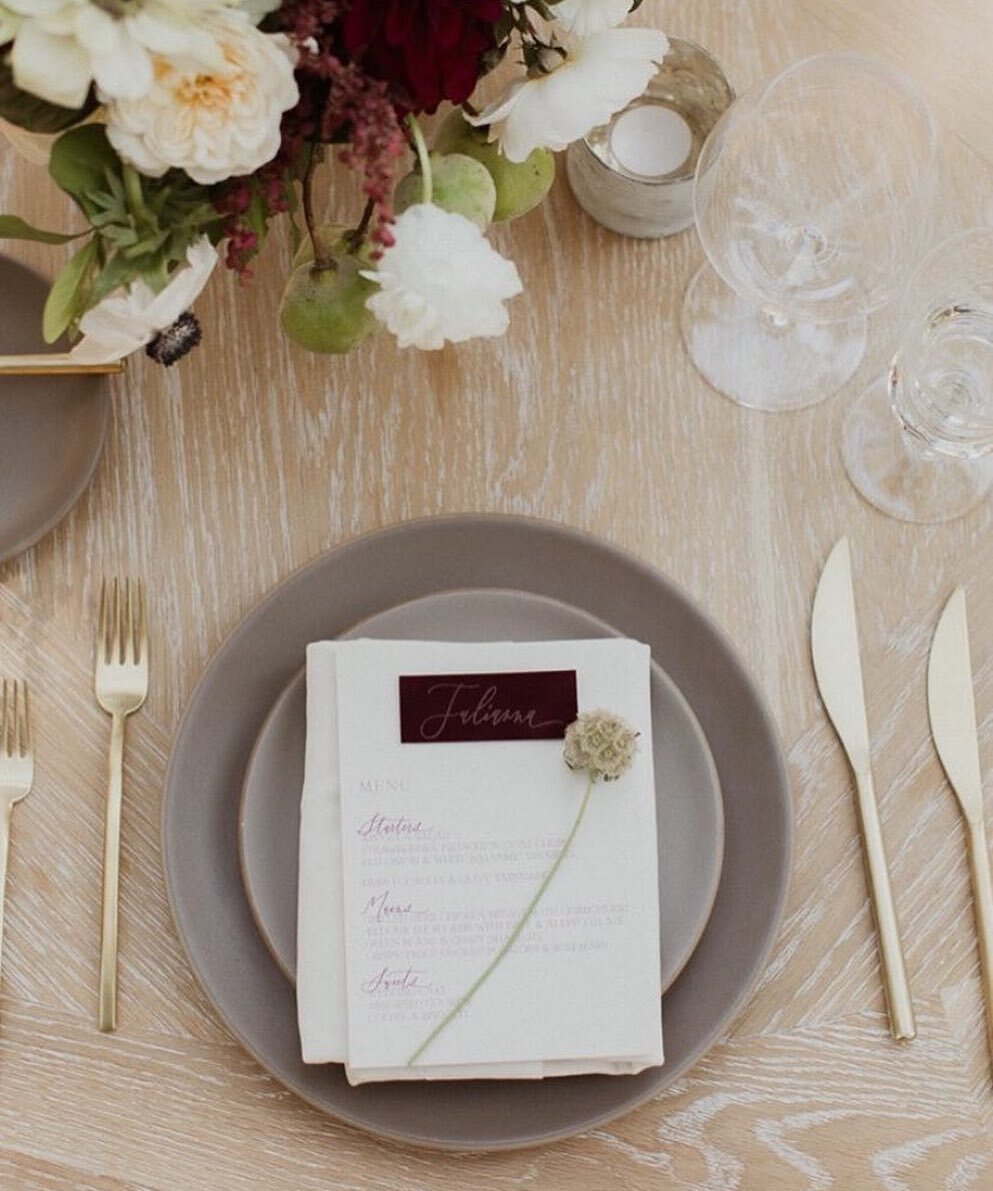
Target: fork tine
{"x":4,"y":723}
{"x":24,"y":722}
{"x":102,"y":639}
{"x":16,"y":717}
{"x":116,"y":637}
{"x":142,"y":625}
{"x":128,"y":622}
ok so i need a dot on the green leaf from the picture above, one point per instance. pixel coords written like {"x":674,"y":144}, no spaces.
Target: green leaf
{"x":68,"y":297}
{"x":117,"y":272}
{"x":81,"y":159}
{"x":12,"y":227}
{"x":34,"y":114}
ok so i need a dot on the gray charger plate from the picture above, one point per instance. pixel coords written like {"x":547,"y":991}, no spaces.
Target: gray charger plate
{"x":52,"y":428}
{"x":690,"y":818}
{"x":325,"y":599}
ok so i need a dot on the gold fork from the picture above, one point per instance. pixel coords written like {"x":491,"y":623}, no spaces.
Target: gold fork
{"x":121,"y":681}
{"x":16,"y":767}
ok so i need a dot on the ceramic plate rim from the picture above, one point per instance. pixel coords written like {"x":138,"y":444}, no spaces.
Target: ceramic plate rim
{"x":771,"y":758}
{"x":102,"y":394}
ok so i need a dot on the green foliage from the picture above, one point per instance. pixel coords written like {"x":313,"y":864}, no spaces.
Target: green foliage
{"x":142,"y":226}
{"x":81,"y":161}
{"x":12,"y":227}
{"x":69,"y":297}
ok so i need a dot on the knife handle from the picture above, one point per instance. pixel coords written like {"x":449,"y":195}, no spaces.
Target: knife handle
{"x":982,"y":896}
{"x":894,"y":971}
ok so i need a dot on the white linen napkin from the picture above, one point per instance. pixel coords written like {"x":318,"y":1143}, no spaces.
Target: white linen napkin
{"x":616,"y":844}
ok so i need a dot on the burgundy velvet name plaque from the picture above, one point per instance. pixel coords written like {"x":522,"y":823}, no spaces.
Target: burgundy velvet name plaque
{"x":526,"y":705}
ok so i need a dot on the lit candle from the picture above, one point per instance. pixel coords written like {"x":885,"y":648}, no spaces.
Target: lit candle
{"x":651,"y":140}
{"x":634,"y":174}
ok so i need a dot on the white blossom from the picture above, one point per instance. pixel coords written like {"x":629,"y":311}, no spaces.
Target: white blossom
{"x":130,"y":318}
{"x":211,"y":123}
{"x":598,"y":76}
{"x":257,"y":9}
{"x":441,"y":280}
{"x":584,"y":17}
{"x":62,"y":47}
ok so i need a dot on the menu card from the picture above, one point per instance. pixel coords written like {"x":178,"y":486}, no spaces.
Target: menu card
{"x":436,"y":800}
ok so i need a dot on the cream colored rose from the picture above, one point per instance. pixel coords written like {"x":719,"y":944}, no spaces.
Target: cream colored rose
{"x":212,"y":124}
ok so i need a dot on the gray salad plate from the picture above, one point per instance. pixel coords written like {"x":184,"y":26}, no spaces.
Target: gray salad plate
{"x":690,"y":817}
{"x":52,"y":428}
{"x":371,"y":575}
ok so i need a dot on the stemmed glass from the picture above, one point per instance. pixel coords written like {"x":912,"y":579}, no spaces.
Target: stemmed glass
{"x":918,"y":444}
{"x":812,"y":198}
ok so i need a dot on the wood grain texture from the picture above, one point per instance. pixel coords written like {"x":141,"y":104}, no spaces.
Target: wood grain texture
{"x":251,"y":458}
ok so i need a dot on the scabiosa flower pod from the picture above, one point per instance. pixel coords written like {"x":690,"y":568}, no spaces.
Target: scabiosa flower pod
{"x":600,"y":743}
{"x":430,"y":50}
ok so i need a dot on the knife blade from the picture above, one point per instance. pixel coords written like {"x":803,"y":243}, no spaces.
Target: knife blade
{"x":837,"y":662}
{"x":951,"y":706}
{"x":952,"y":711}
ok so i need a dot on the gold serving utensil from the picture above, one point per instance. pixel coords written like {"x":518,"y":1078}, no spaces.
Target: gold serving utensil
{"x":16,"y":767}
{"x":838,"y":670}
{"x":952,"y":710}
{"x":54,"y":364}
{"x":121,"y":681}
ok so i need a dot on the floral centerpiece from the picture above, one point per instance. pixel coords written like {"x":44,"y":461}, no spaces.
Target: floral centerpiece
{"x":182,"y":129}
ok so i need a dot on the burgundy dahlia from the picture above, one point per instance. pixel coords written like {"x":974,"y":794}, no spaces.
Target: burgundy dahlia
{"x":429,"y":50}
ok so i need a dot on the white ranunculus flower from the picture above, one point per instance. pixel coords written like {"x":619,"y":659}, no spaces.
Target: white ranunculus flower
{"x":441,"y":280}
{"x":257,"y":9}
{"x":130,"y":318}
{"x":584,"y":17}
{"x":212,"y":124}
{"x":598,"y":76}
{"x":62,"y":47}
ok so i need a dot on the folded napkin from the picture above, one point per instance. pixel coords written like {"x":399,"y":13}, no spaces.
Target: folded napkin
{"x":416,"y":860}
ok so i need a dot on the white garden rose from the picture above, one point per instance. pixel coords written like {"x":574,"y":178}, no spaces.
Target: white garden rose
{"x":441,"y":280}
{"x":598,"y":76}
{"x":211,"y":123}
{"x":62,"y":47}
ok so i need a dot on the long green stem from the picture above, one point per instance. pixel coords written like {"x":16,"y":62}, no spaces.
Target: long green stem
{"x":323,"y":260}
{"x":423,"y":159}
{"x":514,"y":935}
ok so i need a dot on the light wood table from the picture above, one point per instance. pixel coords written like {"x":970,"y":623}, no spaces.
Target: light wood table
{"x":251,"y":458}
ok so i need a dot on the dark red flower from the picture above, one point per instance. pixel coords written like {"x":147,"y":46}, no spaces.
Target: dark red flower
{"x":429,"y":50}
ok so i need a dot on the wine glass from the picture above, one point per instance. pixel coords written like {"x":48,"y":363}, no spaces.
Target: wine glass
{"x":918,"y":444}
{"x":812,"y":198}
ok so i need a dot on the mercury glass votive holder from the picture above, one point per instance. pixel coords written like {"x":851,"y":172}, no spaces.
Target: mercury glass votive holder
{"x":634,"y":174}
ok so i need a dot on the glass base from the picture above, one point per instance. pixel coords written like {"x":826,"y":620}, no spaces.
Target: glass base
{"x":741,"y":353}
{"x":897,"y":476}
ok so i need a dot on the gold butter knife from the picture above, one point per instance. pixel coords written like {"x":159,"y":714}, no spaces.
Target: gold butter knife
{"x":838,"y":669}
{"x":952,"y":710}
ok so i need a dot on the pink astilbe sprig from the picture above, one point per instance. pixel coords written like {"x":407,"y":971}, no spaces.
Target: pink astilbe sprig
{"x":375,"y":137}
{"x":355,"y":110}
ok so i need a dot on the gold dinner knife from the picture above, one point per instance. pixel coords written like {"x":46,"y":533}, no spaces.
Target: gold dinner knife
{"x":838,"y":669}
{"x":952,"y":710}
